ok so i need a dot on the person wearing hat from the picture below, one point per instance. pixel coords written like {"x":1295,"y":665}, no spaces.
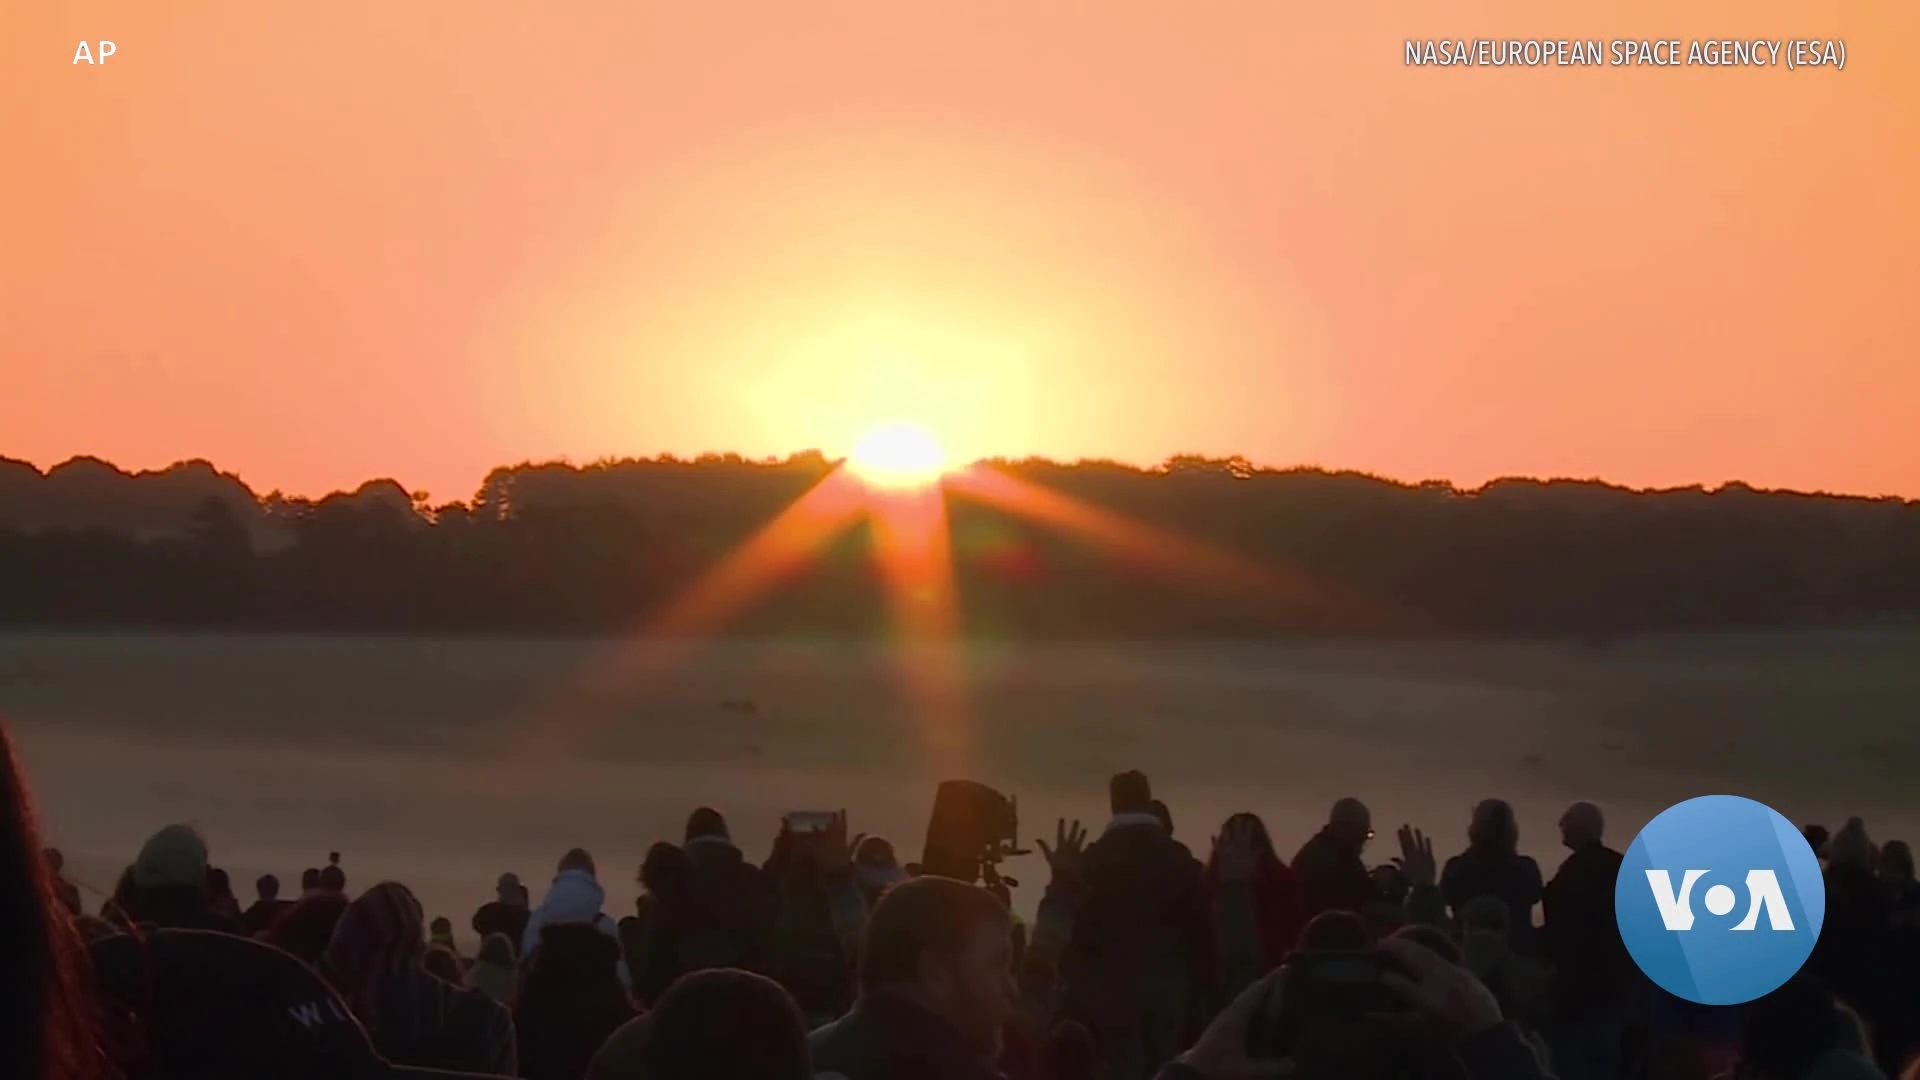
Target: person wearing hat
{"x":575,"y":896}
{"x":167,"y":884}
{"x":506,"y":913}
{"x":196,"y":1005}
{"x":736,"y":890}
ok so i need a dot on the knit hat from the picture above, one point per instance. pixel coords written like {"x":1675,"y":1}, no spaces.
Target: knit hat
{"x":707,"y":823}
{"x":174,"y":857}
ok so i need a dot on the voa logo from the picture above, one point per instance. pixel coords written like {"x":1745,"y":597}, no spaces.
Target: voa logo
{"x":1720,"y":900}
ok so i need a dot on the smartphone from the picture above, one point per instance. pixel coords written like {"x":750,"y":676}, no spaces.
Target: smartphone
{"x":809,"y":821}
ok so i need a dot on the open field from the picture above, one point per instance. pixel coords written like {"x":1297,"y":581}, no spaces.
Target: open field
{"x":443,"y":762}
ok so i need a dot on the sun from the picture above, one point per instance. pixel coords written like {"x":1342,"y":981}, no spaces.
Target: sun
{"x":897,"y":457}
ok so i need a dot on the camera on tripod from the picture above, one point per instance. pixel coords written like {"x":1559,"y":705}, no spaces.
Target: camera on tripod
{"x":973,"y":830}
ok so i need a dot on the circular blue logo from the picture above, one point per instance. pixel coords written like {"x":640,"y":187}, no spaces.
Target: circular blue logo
{"x":1720,"y":900}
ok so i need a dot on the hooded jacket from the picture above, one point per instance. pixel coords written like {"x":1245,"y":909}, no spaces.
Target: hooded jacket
{"x":575,"y":897}
{"x":740,"y":896}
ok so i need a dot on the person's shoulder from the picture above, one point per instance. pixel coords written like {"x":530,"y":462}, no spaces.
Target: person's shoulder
{"x":475,"y":1007}
{"x":826,"y":1044}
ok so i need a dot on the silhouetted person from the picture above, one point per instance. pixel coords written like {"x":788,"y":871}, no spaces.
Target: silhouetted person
{"x":1133,"y":965}
{"x":442,"y":964}
{"x":1896,"y":870}
{"x":1856,"y":935}
{"x":734,"y":892}
{"x":1592,"y":970}
{"x":495,"y":971}
{"x":677,"y":931}
{"x":220,"y":893}
{"x":1817,"y":837}
{"x":1277,"y":903}
{"x":1159,"y":810}
{"x":571,"y":1000}
{"x":506,"y":913}
{"x":1493,"y":866}
{"x":1071,"y":1053}
{"x":1798,"y":1032}
{"x":1335,"y":930}
{"x":574,"y":897}
{"x":377,"y":963}
{"x":69,"y":894}
{"x":309,"y":881}
{"x":877,"y":867}
{"x":264,"y":911}
{"x":936,"y":987}
{"x":1519,"y":982}
{"x":440,"y":935}
{"x":167,"y":885}
{"x":1332,"y":875}
{"x":720,"y":1024}
{"x":46,"y":1030}
{"x":195,"y":1005}
{"x":305,"y":928}
{"x":1431,"y":938}
{"x":333,"y":878}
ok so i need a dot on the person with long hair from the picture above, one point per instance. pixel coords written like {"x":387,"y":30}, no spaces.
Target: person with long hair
{"x":496,"y":972}
{"x":1278,"y":907}
{"x":1493,"y":866}
{"x":305,"y":928}
{"x":377,"y":963}
{"x":48,"y":1028}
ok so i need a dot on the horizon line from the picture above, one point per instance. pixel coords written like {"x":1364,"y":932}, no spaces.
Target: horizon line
{"x":1247,"y":469}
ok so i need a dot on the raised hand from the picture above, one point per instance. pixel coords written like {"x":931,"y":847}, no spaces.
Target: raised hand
{"x":831,"y":845}
{"x":1416,"y":857}
{"x":1069,"y":844}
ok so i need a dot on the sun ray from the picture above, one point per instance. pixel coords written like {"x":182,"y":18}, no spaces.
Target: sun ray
{"x":912,"y":548}
{"x":1168,"y":552}
{"x":613,"y":681}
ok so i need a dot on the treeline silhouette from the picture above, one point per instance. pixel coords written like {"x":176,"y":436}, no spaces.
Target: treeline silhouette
{"x":558,"y":548}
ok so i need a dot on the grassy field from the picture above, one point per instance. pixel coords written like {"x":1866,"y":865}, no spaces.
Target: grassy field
{"x":444,"y":762}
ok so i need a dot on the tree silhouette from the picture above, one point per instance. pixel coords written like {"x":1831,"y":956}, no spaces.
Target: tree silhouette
{"x":557,"y":548}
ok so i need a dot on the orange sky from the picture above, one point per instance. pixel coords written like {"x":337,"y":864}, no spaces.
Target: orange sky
{"x":321,"y":242}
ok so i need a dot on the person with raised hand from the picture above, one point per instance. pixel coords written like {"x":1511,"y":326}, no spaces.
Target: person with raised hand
{"x":1053,"y":921}
{"x":1255,"y":903}
{"x":1424,"y":904}
{"x":820,"y":918}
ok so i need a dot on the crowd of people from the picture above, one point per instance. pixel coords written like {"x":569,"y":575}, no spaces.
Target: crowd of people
{"x":833,"y":959}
